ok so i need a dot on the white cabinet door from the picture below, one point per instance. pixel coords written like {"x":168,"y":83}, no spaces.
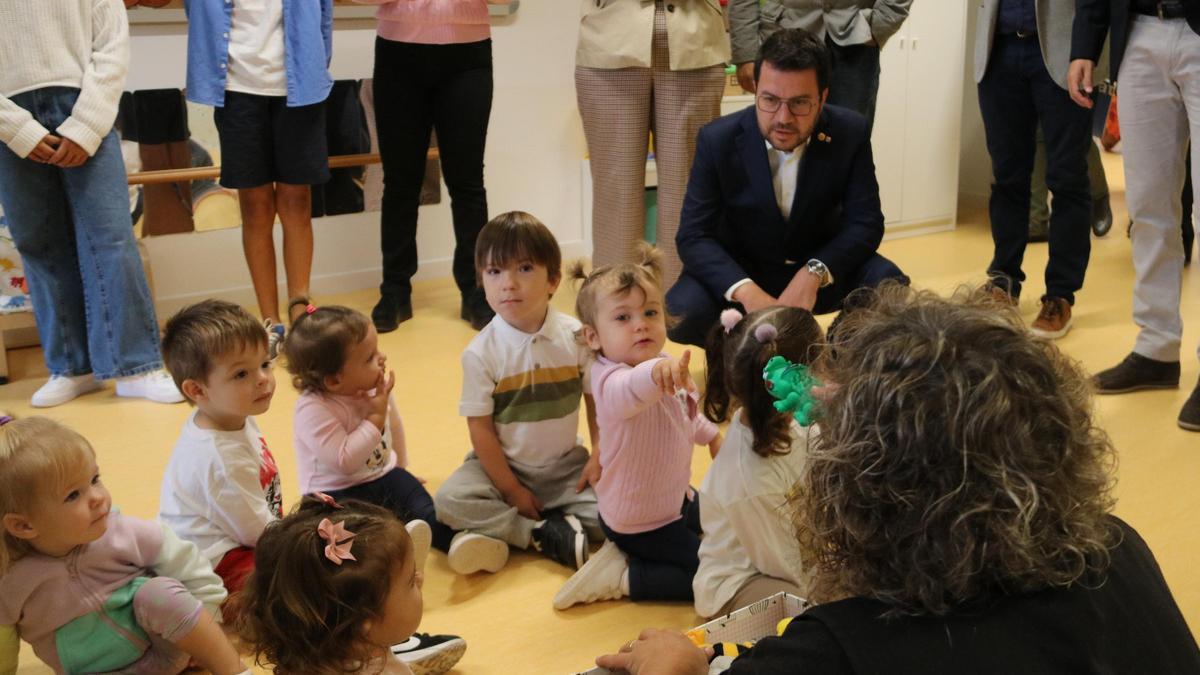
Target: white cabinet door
{"x":936,"y":30}
{"x":887,"y":136}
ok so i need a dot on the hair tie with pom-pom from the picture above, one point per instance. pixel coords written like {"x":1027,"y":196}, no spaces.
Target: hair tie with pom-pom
{"x":765,"y":333}
{"x":730,"y":318}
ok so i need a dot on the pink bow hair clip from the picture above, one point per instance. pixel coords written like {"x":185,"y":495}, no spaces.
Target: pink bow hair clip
{"x":327,"y":500}
{"x":339,"y":540}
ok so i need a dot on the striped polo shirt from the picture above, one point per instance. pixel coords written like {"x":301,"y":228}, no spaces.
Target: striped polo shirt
{"x":530,"y":384}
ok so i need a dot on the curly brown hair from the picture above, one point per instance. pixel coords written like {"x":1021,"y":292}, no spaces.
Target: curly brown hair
{"x":958,"y":459}
{"x":735,"y":370}
{"x":303,"y":614}
{"x":320,"y":342}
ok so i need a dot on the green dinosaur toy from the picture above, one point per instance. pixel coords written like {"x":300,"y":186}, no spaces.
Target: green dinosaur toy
{"x":791,"y":384}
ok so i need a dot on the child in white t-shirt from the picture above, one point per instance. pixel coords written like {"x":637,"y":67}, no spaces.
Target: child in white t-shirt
{"x":749,"y":549}
{"x":221,"y":486}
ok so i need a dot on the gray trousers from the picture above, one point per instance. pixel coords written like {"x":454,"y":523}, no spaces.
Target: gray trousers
{"x":468,"y":500}
{"x":619,"y":107}
{"x":1159,"y":105}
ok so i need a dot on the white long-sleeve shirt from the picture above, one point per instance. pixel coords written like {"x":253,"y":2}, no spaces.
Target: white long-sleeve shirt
{"x":65,"y":43}
{"x":747,"y":529}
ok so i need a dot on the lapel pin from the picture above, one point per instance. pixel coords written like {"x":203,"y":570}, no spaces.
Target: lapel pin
{"x":824,"y":138}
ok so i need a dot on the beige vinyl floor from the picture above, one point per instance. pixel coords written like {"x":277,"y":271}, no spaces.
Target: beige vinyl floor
{"x":507,"y":617}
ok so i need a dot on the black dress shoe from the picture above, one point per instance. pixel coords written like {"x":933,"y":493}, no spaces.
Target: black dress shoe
{"x":1137,"y":372}
{"x":1102,"y":217}
{"x":390,"y":312}
{"x":475,"y":309}
{"x":1189,"y":416}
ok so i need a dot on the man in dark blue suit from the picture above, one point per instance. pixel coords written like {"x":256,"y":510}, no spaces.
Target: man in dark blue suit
{"x":782,"y":205}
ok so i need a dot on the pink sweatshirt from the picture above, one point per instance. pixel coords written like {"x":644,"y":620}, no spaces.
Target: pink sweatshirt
{"x":646,"y":442}
{"x":337,"y":447}
{"x":432,"y":22}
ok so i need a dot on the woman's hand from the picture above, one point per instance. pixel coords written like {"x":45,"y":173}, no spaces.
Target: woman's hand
{"x":658,"y":652}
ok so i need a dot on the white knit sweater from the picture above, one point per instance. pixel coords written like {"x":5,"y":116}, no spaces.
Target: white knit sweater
{"x":67,"y":43}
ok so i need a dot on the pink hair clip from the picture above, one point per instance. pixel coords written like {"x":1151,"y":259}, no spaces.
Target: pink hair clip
{"x":730,"y":318}
{"x":310,"y":308}
{"x":338,"y":540}
{"x":328,"y":501}
{"x":765,"y":333}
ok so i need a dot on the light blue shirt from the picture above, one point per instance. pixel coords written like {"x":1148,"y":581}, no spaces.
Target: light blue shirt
{"x":307,"y":40}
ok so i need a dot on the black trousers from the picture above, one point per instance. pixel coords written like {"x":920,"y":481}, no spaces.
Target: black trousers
{"x":698,"y":310}
{"x":400,"y":492}
{"x":663,"y":562}
{"x":1017,"y":93}
{"x":420,"y":88}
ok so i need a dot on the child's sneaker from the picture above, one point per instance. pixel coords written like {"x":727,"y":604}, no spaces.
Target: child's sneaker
{"x":602,"y":578}
{"x":429,"y":654}
{"x":155,"y":386}
{"x":471,"y":552}
{"x":562,"y":539}
{"x":422,"y":537}
{"x":275,"y":335}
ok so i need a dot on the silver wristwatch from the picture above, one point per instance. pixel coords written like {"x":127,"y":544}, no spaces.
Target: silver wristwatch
{"x":818,"y":268}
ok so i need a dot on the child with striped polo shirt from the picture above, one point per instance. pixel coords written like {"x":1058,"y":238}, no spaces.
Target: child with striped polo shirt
{"x":526,"y":480}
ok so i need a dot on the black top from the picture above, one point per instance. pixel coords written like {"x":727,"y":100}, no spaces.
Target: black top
{"x":1124,"y":622}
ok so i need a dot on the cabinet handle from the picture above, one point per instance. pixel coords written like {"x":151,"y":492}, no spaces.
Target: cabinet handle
{"x":914,"y":44}
{"x":902,"y":39}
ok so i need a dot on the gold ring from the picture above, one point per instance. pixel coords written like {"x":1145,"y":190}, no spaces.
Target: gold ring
{"x":629,"y":645}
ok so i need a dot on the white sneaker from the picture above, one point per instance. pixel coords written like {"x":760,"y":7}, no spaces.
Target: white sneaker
{"x":155,"y":386}
{"x":422,"y":538}
{"x":471,"y":552}
{"x":598,"y":579}
{"x":62,"y":388}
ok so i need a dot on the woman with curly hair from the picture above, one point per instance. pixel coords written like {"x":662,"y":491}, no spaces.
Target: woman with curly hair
{"x":957,"y":511}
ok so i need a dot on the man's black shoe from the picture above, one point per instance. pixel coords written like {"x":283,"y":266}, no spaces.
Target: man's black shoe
{"x":390,"y":312}
{"x":1189,"y":416}
{"x":1137,"y":372}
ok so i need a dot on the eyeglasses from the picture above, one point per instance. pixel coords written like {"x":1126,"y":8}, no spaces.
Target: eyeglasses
{"x":799,"y":107}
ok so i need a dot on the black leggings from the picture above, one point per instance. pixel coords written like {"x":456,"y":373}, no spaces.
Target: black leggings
{"x":419,"y":88}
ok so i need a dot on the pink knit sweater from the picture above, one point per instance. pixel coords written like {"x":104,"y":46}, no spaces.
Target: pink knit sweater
{"x":646,"y":442}
{"x":432,"y":22}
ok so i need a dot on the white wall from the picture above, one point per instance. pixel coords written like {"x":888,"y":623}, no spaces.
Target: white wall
{"x":535,"y":144}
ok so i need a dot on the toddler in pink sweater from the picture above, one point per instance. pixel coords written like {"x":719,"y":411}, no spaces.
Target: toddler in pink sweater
{"x":348,"y":434}
{"x":648,"y":418}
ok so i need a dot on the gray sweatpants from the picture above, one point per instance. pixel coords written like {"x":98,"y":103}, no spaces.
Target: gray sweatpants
{"x":468,"y":500}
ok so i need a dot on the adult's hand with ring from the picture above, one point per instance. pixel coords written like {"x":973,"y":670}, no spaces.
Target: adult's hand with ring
{"x":658,"y":652}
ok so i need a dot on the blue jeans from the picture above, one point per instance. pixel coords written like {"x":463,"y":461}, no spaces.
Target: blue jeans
{"x":73,"y":231}
{"x":1015,"y":95}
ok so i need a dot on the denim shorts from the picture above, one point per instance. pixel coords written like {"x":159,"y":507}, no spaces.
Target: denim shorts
{"x":264,"y":141}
